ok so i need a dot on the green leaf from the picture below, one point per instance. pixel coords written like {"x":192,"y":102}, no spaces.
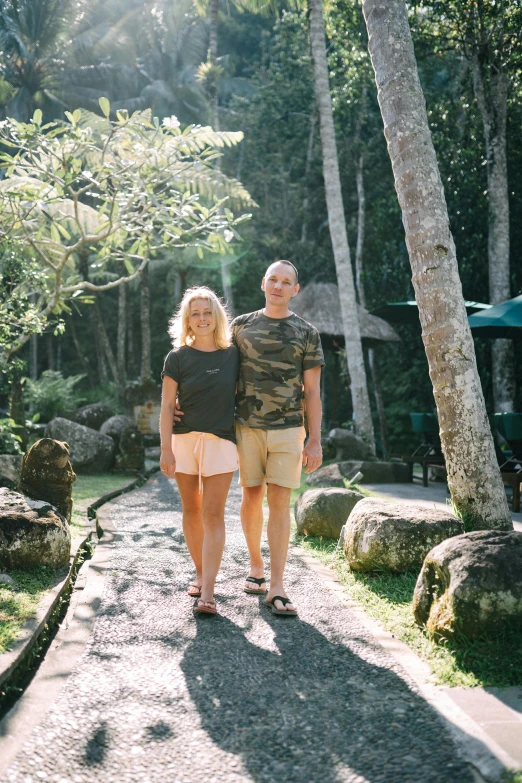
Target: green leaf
{"x":63,"y":231}
{"x":77,"y":113}
{"x":37,"y":117}
{"x":105,"y":106}
{"x":128,"y":266}
{"x":55,"y":234}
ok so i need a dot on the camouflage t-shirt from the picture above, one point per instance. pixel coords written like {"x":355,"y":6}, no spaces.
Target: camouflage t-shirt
{"x":273,"y":355}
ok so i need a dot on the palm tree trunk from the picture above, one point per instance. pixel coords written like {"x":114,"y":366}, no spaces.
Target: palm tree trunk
{"x":337,"y":223}
{"x":79,"y":351}
{"x":131,"y":351}
{"x":473,"y":475}
{"x":361,"y":226}
{"x":104,"y":341}
{"x":492,"y":103}
{"x":145,"y":324}
{"x":308,"y":166}
{"x":122,"y":328}
{"x":379,"y":400}
{"x":50,"y":351}
{"x":226,"y":279}
{"x":34,"y":357}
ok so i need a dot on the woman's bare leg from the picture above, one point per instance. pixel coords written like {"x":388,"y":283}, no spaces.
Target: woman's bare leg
{"x":215,"y":491}
{"x":192,"y":503}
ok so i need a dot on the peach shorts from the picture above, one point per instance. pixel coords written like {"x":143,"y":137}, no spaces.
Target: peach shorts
{"x":203,"y":454}
{"x":271,"y":456}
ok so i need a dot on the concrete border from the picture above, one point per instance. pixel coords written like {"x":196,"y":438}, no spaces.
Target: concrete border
{"x":68,"y":644}
{"x":62,"y":655}
{"x":33,"y":628}
{"x":475,"y":746}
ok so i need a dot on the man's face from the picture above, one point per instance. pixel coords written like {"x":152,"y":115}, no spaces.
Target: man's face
{"x":279,"y":285}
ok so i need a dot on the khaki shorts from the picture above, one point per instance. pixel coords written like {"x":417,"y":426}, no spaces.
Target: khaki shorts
{"x":203,"y":454}
{"x":271,"y":456}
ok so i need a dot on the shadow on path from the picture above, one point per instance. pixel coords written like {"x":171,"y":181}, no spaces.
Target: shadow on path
{"x":312,"y":709}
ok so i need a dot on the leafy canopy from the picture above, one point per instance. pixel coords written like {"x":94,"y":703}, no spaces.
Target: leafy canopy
{"x":86,"y":202}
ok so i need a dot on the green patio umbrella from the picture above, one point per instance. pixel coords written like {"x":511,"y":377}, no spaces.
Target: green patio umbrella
{"x":408,"y":312}
{"x":503,"y":320}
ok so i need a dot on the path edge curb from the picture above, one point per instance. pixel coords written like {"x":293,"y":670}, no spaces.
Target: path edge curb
{"x":475,"y":747}
{"x":35,"y":626}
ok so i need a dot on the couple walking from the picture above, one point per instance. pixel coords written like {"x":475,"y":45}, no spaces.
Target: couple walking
{"x":273,"y":359}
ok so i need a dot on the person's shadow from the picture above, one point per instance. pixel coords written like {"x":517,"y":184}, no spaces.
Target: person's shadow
{"x":313,"y":709}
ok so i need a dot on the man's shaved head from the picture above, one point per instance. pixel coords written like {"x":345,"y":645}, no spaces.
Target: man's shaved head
{"x":287,"y":263}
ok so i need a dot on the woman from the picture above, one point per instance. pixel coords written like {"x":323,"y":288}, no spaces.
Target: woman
{"x":202,"y":371}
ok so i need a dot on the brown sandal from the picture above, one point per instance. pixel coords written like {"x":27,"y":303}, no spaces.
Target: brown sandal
{"x":204,"y":607}
{"x":194,"y":590}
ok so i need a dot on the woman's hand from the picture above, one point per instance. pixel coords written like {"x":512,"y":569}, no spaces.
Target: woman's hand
{"x":168,"y":464}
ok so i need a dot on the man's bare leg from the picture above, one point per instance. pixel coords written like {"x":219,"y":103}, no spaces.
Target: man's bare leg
{"x":252,"y":523}
{"x":278,"y":539}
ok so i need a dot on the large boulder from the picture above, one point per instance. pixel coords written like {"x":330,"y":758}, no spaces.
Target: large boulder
{"x":31,"y":533}
{"x":470,"y":584}
{"x":47,"y":474}
{"x":329,"y":450}
{"x":347,"y":445}
{"x":327,"y":476}
{"x":130,"y":451}
{"x":323,"y":512}
{"x":114,"y":427}
{"x":381,"y":535}
{"x":90,"y":451}
{"x":10,"y":465}
{"x":93,"y":415}
{"x":376,"y":472}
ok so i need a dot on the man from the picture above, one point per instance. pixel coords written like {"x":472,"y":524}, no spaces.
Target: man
{"x":280,"y":371}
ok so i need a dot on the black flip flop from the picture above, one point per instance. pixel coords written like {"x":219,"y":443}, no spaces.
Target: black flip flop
{"x":257,"y":581}
{"x":281,"y":612}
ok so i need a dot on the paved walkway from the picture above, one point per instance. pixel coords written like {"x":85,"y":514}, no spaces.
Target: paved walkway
{"x":436,"y":494}
{"x":158,"y":696}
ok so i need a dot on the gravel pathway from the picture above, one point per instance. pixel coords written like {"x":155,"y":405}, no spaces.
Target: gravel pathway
{"x":163,"y":698}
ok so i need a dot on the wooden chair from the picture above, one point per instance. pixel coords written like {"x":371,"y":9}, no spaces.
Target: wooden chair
{"x":428,"y":453}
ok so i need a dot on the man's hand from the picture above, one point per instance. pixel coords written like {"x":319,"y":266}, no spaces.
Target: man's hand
{"x":312,"y":456}
{"x":168,"y":464}
{"x":177,"y":412}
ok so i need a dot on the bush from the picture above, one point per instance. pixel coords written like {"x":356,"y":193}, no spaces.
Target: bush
{"x":9,"y":442}
{"x":53,"y":395}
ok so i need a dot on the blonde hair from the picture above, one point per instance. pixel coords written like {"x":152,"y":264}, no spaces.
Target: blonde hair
{"x":179,"y":329}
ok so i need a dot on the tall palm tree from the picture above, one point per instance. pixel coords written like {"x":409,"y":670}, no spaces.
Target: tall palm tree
{"x":155,"y":69}
{"x":473,"y":476}
{"x":337,"y":224}
{"x":33,"y":35}
{"x":212,"y":72}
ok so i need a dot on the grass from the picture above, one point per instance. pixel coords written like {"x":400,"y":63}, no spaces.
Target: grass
{"x":18,"y":602}
{"x":491,"y":660}
{"x":89,"y":487}
{"x":304,"y":488}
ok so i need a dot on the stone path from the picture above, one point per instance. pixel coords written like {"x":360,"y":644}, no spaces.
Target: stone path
{"x":161,"y":697}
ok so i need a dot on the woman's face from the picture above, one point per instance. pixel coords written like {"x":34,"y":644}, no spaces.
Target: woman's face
{"x":201,"y":320}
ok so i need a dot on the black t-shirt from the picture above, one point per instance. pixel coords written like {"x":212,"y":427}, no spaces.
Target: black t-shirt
{"x":206,"y":389}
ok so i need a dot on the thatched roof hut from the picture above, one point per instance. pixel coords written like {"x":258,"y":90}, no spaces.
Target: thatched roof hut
{"x":318,"y":303}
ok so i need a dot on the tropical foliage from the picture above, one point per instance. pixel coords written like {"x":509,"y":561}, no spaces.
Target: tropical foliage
{"x":155,"y":55}
{"x":87,"y":198}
